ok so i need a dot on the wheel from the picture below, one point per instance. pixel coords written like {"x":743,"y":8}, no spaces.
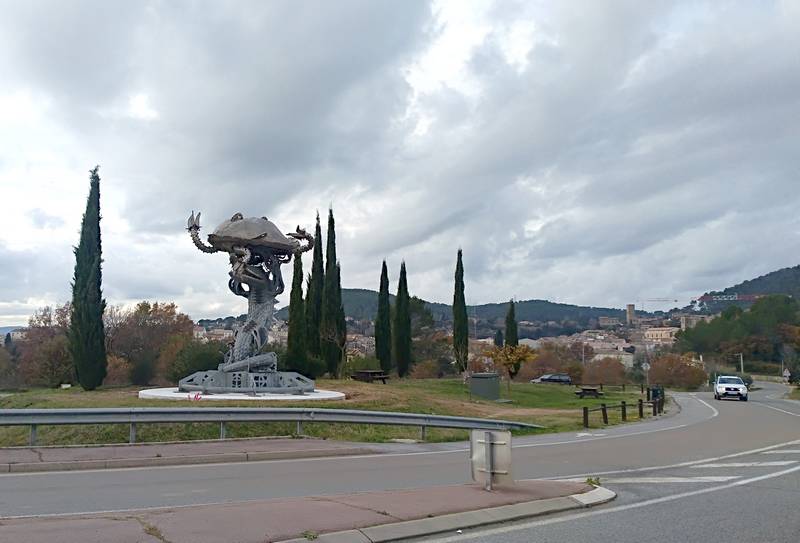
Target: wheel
{"x":743,"y":398}
{"x":716,"y":396}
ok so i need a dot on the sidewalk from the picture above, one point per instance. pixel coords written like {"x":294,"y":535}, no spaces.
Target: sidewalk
{"x":367,"y":517}
{"x":25,"y":459}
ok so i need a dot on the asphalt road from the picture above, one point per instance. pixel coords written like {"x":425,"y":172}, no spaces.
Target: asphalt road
{"x":746,"y":497}
{"x":704,"y":430}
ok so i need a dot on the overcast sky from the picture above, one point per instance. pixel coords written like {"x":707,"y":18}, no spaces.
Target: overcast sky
{"x":584,"y":152}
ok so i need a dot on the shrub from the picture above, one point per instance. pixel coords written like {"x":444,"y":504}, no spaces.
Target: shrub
{"x":196,"y":356}
{"x":676,"y":371}
{"x":607,"y":370}
{"x":360,"y":363}
{"x":118,"y":371}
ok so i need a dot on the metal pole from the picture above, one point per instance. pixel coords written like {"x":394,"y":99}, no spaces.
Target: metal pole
{"x":132,"y":437}
{"x":32,"y":436}
{"x":487,"y":436}
{"x":623,"y":409}
{"x":222,"y":430}
{"x":641,"y":409}
{"x":423,"y":433}
{"x":605,"y":413}
{"x":641,"y":386}
{"x":648,"y":394}
{"x":585,"y":417}
{"x":741,"y":363}
{"x":299,"y":428}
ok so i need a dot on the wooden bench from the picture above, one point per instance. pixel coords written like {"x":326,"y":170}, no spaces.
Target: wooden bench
{"x":592,"y":392}
{"x":368,"y":376}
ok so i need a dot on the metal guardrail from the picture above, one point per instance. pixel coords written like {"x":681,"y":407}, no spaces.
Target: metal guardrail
{"x":158,"y":415}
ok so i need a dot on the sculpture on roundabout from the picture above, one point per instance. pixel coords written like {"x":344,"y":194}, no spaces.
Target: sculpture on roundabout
{"x":256,"y":250}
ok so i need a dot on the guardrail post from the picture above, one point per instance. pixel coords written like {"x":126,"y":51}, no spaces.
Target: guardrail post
{"x":641,"y":408}
{"x":32,"y":436}
{"x":487,"y":436}
{"x":655,"y":408}
{"x":132,"y":436}
{"x":605,"y":413}
{"x":585,"y":417}
{"x":299,"y":428}
{"x":648,"y":394}
{"x":223,"y":431}
{"x":423,"y":433}
{"x":623,"y":411}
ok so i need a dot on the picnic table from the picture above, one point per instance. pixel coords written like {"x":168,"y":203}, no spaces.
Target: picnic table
{"x":368,"y":376}
{"x":592,"y":392}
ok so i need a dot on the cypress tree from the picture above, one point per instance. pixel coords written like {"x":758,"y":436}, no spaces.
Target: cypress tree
{"x":498,"y":338}
{"x":383,"y":323}
{"x":332,"y":327}
{"x":86,"y":335}
{"x":313,"y":305}
{"x":402,"y":326}
{"x":296,"y":342}
{"x":460,"y":322}
{"x":511,"y":326}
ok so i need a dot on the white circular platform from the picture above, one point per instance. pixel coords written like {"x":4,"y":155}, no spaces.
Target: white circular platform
{"x":174,"y":394}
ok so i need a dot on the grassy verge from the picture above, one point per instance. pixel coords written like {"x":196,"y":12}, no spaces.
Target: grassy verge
{"x":553,"y":406}
{"x":795,"y":393}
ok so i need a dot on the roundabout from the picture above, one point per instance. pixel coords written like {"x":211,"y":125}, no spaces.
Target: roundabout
{"x":175,"y":394}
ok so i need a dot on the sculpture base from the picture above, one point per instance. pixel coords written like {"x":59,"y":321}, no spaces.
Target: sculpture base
{"x":246,"y":382}
{"x":175,"y":394}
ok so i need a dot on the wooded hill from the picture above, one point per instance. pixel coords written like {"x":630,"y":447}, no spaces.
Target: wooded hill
{"x":785,"y":281}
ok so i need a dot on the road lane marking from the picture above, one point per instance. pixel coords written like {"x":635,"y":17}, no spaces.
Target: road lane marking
{"x":617,"y":509}
{"x":679,"y":464}
{"x":778,"y":409}
{"x":711,"y":407}
{"x":785,"y":451}
{"x":746,"y":464}
{"x":662,"y":480}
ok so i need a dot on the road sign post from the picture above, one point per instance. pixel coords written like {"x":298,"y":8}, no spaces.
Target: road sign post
{"x":490,"y":457}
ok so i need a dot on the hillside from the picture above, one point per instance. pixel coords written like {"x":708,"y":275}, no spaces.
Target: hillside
{"x":362,"y":304}
{"x":784,"y":281}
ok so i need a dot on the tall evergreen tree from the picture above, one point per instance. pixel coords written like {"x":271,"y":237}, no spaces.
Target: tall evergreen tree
{"x":332,"y":325}
{"x":498,"y":338}
{"x":511,"y":326}
{"x":296,"y":342}
{"x":460,"y":321}
{"x":86,"y":335}
{"x":383,"y":323}
{"x":313,"y":305}
{"x":402,"y":326}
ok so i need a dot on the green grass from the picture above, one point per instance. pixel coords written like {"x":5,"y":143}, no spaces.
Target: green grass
{"x":795,"y":393}
{"x":553,"y":406}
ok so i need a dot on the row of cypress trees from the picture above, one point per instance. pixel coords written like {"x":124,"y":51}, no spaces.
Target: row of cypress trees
{"x":393,"y":338}
{"x":393,"y":335}
{"x":317,"y":327}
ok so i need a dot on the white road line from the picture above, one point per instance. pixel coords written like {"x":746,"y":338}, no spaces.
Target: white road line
{"x":747,"y":464}
{"x":680,"y":464}
{"x":784,"y":451}
{"x":596,"y":512}
{"x":778,"y":409}
{"x":711,"y":407}
{"x":663,"y":480}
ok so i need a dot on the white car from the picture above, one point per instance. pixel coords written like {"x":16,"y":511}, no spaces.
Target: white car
{"x":730,"y":386}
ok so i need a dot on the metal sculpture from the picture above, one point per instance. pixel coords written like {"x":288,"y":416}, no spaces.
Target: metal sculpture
{"x":256,"y":250}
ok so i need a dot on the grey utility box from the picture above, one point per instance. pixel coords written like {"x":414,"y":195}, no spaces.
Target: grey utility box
{"x":485,"y":385}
